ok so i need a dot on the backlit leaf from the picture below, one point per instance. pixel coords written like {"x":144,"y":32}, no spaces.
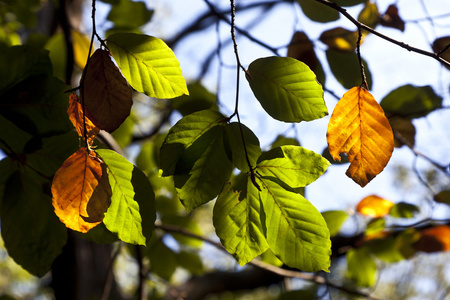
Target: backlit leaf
{"x":75,"y":112}
{"x":375,"y":228}
{"x":183,"y":134}
{"x":434,"y":239}
{"x":404,"y":131}
{"x":361,"y":268}
{"x":107,"y":96}
{"x":334,"y":219}
{"x":81,"y":45}
{"x":318,"y":12}
{"x":440,"y":44}
{"x":374,"y":206}
{"x":199,"y":98}
{"x":410,"y":101}
{"x":148,"y":64}
{"x":295,"y":231}
{"x":346,"y":68}
{"x":203,"y":169}
{"x":391,"y":18}
{"x":369,"y":15}
{"x":385,"y":249}
{"x":293,"y":165}
{"x":359,"y":128}
{"x":238,"y":224}
{"x":81,"y":192}
{"x":129,"y":14}
{"x":403,"y":210}
{"x":340,"y":39}
{"x":287,"y":89}
{"x":234,"y":142}
{"x":443,"y":197}
{"x":131,"y":214}
{"x":302,"y":49}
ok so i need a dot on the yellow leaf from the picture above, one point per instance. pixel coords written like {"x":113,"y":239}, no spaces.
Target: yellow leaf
{"x":80,"y":48}
{"x":81,"y":191}
{"x":359,"y":128}
{"x":75,"y":112}
{"x":106,"y":93}
{"x":340,"y":39}
{"x":374,"y":206}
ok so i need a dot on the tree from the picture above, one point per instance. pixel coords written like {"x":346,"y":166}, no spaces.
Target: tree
{"x":76,"y":110}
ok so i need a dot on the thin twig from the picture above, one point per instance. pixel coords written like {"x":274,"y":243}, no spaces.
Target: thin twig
{"x":109,"y":276}
{"x":358,"y":24}
{"x":361,"y":65}
{"x":259,"y":264}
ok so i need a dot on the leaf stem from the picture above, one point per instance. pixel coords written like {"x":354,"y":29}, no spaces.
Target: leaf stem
{"x":361,"y":65}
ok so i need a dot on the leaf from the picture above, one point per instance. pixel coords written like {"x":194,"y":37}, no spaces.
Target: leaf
{"x":361,"y":268}
{"x":129,"y":14}
{"x":346,"y":68}
{"x":410,"y":101}
{"x":81,"y":45}
{"x":191,"y":261}
{"x":403,"y":210}
{"x":443,"y":197}
{"x":369,"y":15}
{"x":183,"y":134}
{"x":284,"y":141}
{"x":334,"y":219}
{"x":404,"y":131}
{"x":439,"y":45}
{"x":19,"y":62}
{"x":293,"y":165}
{"x":203,"y":169}
{"x":318,"y":12}
{"x":385,"y":249}
{"x":131,"y":214}
{"x":188,"y":222}
{"x":75,"y":112}
{"x":81,"y":192}
{"x":340,"y":39}
{"x":434,"y":239}
{"x":32,"y":233}
{"x":375,"y":228}
{"x":233,"y":141}
{"x":199,"y":98}
{"x":163,"y":260}
{"x":295,"y":231}
{"x":238,"y":224}
{"x":287,"y":89}
{"x":107,"y":96}
{"x":348,"y":2}
{"x":359,"y":128}
{"x":374,"y":206}
{"x":148,"y":64}
{"x":391,"y":18}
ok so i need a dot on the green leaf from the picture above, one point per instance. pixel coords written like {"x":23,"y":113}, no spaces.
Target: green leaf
{"x":361,"y":268}
{"x":100,"y":235}
{"x":124,"y":134}
{"x":403,"y":210}
{"x":385,"y":249}
{"x":129,"y":14}
{"x":375,"y":226}
{"x":233,"y":141}
{"x":294,"y":165}
{"x":12,"y":138}
{"x":33,"y":234}
{"x":163,"y":260}
{"x":295,"y":230}
{"x":199,"y":99}
{"x":369,"y":15}
{"x":204,"y":168}
{"x":57,"y":49}
{"x":443,"y":197}
{"x":238,"y":224}
{"x":287,"y":89}
{"x":148,"y":64}
{"x":334,"y":219}
{"x":346,"y":68}
{"x":183,"y":134}
{"x":348,"y":2}
{"x":191,"y":261}
{"x":19,"y":62}
{"x":411,"y":101}
{"x":131,"y":214}
{"x":284,"y":141}
{"x":318,"y":12}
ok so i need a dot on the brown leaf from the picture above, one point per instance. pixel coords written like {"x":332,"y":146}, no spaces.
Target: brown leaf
{"x":75,"y":112}
{"x":391,"y":18}
{"x":434,"y":239}
{"x":107,"y":95}
{"x":81,"y":191}
{"x":442,"y":47}
{"x":404,"y":131}
{"x":302,"y":49}
{"x":359,"y":128}
{"x":374,"y":206}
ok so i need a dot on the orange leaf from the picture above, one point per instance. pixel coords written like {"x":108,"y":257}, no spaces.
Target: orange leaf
{"x":359,"y":128}
{"x":434,"y":239}
{"x":75,"y":112}
{"x":374,"y":206}
{"x":81,"y":191}
{"x":106,"y":92}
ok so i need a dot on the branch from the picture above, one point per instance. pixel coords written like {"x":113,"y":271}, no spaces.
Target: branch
{"x":360,"y":25}
{"x":264,"y":266}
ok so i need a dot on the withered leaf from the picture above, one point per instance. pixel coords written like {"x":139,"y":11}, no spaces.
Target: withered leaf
{"x":75,"y":112}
